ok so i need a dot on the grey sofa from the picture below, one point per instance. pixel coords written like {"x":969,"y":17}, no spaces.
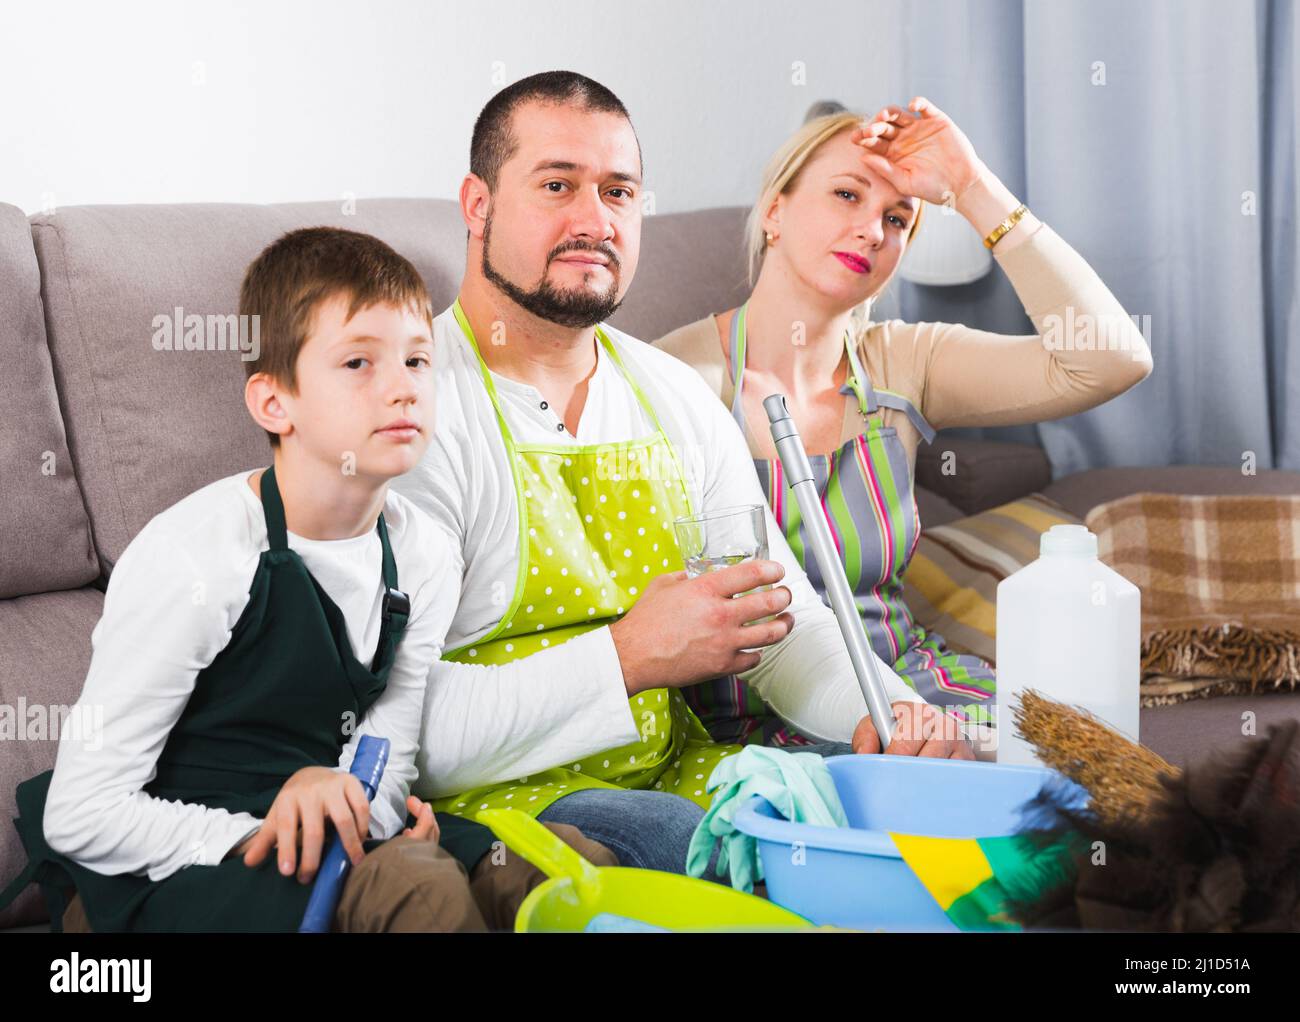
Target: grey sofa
{"x":99,"y":431}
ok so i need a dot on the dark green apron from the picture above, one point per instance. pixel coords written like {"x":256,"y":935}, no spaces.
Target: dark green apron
{"x":277,"y":699}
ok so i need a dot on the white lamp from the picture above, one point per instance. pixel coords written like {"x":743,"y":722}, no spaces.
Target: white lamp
{"x":946,"y":250}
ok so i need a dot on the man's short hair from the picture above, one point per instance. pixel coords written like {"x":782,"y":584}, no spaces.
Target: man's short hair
{"x":288,"y":281}
{"x":493,"y":143}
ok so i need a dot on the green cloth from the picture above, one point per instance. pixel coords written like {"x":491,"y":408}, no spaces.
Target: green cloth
{"x":797,"y":784}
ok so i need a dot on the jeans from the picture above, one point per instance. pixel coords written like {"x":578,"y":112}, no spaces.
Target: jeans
{"x":645,"y":829}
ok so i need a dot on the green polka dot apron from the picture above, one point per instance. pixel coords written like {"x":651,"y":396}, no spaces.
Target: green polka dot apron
{"x":278,"y":698}
{"x":595,"y":527}
{"x":867,"y":499}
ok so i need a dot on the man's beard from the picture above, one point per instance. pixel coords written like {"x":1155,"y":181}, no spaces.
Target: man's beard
{"x":577,"y":308}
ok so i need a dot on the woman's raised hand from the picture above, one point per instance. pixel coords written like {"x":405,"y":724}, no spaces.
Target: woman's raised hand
{"x":927,"y":156}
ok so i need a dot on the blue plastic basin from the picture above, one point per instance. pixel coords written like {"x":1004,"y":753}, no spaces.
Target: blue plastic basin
{"x":854,"y":876}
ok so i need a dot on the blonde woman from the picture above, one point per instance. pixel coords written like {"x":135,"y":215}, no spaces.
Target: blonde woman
{"x":839,"y":203}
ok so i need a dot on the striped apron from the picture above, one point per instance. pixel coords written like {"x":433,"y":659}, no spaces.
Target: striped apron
{"x":867,"y":498}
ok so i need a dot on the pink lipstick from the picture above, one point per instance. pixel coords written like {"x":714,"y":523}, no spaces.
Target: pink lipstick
{"x":854,"y":262}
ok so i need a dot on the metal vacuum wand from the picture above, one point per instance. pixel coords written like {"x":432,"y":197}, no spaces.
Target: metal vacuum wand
{"x":794,"y":460}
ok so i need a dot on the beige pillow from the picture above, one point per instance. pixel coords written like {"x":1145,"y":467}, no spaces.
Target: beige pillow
{"x":951,"y":582}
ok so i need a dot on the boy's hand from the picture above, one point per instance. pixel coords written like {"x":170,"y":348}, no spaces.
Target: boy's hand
{"x":304,"y":801}
{"x":426,"y":827}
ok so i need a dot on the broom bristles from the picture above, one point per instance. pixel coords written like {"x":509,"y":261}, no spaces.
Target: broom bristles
{"x":1121,"y":776}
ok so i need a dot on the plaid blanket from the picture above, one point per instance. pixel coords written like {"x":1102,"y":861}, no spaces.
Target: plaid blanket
{"x":1220,"y":581}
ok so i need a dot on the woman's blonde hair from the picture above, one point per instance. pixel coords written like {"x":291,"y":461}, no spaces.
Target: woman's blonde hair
{"x":781,"y":172}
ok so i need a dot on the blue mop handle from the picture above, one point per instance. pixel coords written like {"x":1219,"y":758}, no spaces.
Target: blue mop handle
{"x":367,"y":767}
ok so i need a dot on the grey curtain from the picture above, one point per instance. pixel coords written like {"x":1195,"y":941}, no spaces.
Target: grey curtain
{"x":1158,"y":138}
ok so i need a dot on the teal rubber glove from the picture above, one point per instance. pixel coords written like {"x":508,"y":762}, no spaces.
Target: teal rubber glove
{"x":797,"y":784}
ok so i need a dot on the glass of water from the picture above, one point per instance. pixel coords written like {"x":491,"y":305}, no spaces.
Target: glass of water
{"x":721,"y":538}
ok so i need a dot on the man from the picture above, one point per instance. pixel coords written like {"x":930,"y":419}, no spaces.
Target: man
{"x":562,"y":453}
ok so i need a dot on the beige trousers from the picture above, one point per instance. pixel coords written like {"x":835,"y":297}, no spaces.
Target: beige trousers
{"x":408,"y":885}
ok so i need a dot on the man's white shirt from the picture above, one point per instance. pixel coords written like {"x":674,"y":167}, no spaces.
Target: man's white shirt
{"x":575,"y":692}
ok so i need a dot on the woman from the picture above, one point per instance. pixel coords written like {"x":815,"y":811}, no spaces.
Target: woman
{"x":836,"y":211}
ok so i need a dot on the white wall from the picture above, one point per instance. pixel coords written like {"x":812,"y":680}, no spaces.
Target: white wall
{"x":287,"y":100}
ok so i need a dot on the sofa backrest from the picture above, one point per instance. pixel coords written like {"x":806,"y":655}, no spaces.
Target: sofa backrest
{"x":44,"y":531}
{"x":692,"y":264}
{"x":149,"y":426}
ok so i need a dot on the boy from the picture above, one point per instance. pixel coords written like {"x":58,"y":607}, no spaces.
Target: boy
{"x":254,"y":631}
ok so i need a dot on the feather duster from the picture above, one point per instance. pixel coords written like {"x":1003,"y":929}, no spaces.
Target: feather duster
{"x":1212,"y":848}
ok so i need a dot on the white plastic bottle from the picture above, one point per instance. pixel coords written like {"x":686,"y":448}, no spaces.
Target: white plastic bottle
{"x":1069,"y":627}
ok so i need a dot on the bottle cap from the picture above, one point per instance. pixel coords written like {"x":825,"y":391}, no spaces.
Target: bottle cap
{"x":1068,"y":541}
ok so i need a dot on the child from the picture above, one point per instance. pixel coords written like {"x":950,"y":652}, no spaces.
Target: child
{"x":254,"y":631}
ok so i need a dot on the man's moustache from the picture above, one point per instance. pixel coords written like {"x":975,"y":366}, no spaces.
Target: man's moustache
{"x":613,"y":259}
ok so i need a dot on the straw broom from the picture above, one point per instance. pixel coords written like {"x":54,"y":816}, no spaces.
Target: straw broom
{"x":1122,"y":776}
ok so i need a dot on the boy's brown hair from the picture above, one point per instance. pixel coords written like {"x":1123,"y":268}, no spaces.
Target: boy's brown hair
{"x":293,"y":275}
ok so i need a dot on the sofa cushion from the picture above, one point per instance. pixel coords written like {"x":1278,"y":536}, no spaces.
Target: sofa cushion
{"x":933,"y":509}
{"x":1080,"y":492}
{"x":952,"y":579}
{"x":976,"y":475}
{"x":147,"y":426}
{"x":44,"y":656}
{"x":692,"y":264}
{"x":44,"y":531}
{"x":1192,"y":730}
